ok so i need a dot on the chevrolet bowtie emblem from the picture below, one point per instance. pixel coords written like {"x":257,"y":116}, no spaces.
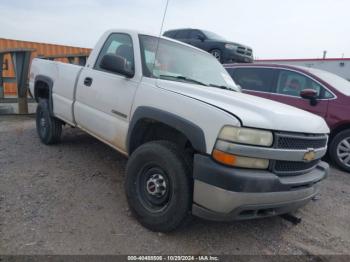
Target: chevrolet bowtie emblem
{"x":310,"y":155}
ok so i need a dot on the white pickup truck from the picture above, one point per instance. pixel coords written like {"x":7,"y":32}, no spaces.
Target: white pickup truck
{"x":196,"y":144}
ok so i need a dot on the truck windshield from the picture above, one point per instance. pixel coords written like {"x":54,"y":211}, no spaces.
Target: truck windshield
{"x":164,"y":59}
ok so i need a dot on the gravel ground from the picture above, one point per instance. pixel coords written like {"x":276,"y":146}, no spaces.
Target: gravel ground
{"x":69,"y":199}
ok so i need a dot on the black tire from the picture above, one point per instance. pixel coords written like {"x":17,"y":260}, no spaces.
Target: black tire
{"x":339,"y":151}
{"x":49,"y":128}
{"x":170,"y":208}
{"x":217,"y":54}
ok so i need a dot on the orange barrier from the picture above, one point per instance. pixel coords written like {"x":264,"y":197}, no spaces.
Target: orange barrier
{"x":41,"y":49}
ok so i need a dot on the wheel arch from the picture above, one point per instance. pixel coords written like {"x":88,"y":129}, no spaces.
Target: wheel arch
{"x":338,"y":129}
{"x":43,"y":89}
{"x":146,"y":119}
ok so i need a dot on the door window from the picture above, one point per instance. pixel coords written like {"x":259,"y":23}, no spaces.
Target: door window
{"x":182,"y":34}
{"x":170,"y":34}
{"x":292,"y":83}
{"x":118,"y":44}
{"x":255,"y":79}
{"x":196,"y":35}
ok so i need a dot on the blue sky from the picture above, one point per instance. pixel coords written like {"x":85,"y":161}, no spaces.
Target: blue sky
{"x":274,"y":28}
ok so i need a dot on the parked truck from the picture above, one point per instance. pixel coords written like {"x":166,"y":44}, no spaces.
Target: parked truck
{"x":223,"y":50}
{"x":196,"y":144}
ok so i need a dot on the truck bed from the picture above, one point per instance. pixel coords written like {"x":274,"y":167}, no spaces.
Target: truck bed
{"x":64,"y":78}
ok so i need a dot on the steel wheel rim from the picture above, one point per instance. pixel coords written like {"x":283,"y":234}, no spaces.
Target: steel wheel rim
{"x":343,"y":151}
{"x":153,"y":187}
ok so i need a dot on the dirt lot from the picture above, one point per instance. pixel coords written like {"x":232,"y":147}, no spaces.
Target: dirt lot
{"x":69,"y":199}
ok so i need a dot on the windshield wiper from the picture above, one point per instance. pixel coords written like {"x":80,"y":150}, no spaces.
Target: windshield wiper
{"x":223,"y":87}
{"x":187,"y":79}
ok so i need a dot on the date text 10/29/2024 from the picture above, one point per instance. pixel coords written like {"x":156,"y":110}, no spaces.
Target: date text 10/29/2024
{"x":173,"y":258}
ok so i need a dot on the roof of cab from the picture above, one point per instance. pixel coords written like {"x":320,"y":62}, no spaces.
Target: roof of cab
{"x":136,"y":32}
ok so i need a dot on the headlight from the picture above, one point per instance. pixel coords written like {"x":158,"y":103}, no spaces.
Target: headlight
{"x":246,"y":136}
{"x":241,"y":135}
{"x":230,"y":46}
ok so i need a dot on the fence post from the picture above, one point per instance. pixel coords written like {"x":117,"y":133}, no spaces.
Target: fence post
{"x":1,"y":77}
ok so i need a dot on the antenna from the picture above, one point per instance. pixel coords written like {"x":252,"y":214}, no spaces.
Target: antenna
{"x":160,"y":34}
{"x":165,"y":11}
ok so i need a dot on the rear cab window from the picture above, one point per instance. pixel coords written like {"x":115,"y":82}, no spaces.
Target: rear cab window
{"x":182,"y":34}
{"x":196,"y":34}
{"x":170,"y":34}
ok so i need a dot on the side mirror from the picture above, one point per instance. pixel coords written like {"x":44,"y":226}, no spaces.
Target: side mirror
{"x":116,"y":64}
{"x":310,"y":94}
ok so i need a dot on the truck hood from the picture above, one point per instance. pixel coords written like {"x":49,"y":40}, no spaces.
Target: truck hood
{"x":252,"y":111}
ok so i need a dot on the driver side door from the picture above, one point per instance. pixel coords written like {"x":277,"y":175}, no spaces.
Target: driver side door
{"x":103,"y":98}
{"x":197,"y":39}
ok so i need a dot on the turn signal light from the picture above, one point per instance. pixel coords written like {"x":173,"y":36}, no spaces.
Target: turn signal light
{"x":240,"y":161}
{"x":224,"y":158}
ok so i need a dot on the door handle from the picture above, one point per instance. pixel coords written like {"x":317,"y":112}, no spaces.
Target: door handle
{"x":88,"y":81}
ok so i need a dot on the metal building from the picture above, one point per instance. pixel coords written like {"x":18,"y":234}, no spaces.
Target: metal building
{"x":50,"y":51}
{"x":338,"y":66}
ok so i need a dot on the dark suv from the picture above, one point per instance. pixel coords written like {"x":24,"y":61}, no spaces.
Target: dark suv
{"x":223,"y":50}
{"x":313,"y":90}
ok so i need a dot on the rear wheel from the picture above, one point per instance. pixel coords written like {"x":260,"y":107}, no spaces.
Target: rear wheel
{"x":49,"y":128}
{"x":340,"y":150}
{"x":158,"y":186}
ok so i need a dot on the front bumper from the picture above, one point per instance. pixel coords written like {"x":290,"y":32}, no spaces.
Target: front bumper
{"x":232,"y":56}
{"x":225,"y":193}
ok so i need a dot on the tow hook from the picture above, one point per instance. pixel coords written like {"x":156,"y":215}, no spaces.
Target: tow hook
{"x":291,"y":218}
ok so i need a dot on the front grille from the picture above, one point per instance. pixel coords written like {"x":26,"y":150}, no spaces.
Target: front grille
{"x":244,"y":51}
{"x":286,"y":168}
{"x":296,"y":142}
{"x":300,"y":142}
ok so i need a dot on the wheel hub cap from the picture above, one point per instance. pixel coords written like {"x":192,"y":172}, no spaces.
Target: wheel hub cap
{"x":156,"y":185}
{"x":343,"y":151}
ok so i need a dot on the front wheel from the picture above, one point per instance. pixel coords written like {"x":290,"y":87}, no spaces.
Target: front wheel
{"x":340,"y":150}
{"x":158,"y":186}
{"x":217,"y":54}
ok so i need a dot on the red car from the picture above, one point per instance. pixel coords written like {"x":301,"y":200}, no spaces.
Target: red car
{"x":313,"y":90}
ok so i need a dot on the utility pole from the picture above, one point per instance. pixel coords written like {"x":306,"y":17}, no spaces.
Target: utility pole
{"x":324,"y":54}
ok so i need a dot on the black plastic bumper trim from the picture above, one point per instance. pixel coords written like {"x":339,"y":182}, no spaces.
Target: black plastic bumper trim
{"x":251,"y":180}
